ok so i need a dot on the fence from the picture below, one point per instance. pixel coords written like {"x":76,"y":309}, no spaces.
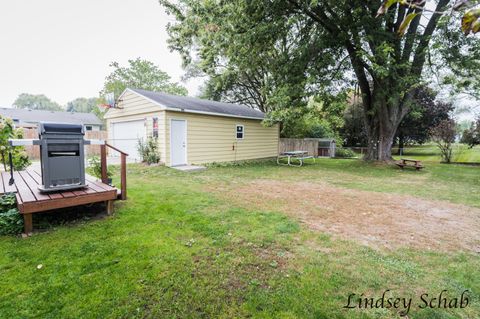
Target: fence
{"x":289,"y":144}
{"x":33,"y":152}
{"x":323,"y":147}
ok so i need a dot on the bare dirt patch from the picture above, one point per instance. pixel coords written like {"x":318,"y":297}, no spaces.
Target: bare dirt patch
{"x":375,"y":219}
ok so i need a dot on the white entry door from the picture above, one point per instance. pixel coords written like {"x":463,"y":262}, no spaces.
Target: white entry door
{"x":178,"y":142}
{"x":125,"y":136}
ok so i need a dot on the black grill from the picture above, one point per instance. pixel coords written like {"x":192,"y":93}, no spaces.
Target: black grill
{"x":62,"y":156}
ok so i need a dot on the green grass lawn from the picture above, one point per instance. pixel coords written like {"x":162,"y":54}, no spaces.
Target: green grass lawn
{"x":431,"y":153}
{"x":175,"y":250}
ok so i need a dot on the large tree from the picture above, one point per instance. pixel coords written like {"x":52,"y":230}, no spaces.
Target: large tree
{"x":36,"y":102}
{"x":140,"y":74}
{"x":274,"y":54}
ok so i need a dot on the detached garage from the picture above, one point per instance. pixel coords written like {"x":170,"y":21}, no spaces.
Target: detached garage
{"x":190,"y":130}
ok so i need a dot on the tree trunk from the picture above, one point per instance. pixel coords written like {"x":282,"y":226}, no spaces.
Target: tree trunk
{"x":401,"y":143}
{"x":380,"y":144}
{"x":382,"y":119}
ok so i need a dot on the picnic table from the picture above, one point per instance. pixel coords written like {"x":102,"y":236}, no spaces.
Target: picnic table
{"x":405,"y":162}
{"x":300,"y":156}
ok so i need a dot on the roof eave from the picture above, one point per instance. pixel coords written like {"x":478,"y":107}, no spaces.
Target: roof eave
{"x":213,"y":113}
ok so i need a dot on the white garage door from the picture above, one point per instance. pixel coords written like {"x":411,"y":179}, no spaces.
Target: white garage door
{"x":125,"y":136}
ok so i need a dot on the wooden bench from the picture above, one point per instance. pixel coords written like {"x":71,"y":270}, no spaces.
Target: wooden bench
{"x":404,"y":162}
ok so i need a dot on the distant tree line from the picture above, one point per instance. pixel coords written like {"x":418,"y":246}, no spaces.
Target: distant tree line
{"x":139,"y":74}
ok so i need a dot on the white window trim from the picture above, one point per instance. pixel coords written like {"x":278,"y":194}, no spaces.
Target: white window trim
{"x":243,"y":132}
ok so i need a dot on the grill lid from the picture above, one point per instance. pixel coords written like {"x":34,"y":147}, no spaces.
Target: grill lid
{"x":61,"y":128}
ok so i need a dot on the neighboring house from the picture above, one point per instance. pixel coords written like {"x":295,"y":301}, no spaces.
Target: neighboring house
{"x":30,"y":118}
{"x":190,"y":130}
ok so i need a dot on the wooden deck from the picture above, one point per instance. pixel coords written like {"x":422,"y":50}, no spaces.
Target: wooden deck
{"x":30,"y":200}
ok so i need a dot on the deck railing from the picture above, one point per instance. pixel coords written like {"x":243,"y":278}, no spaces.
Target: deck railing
{"x":123,"y":168}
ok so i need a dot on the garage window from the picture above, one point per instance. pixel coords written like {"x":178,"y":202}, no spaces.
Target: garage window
{"x":240,"y":132}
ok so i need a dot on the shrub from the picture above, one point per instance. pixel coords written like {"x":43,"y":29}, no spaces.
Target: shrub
{"x":444,"y":136}
{"x":11,"y":222}
{"x":471,"y":136}
{"x":96,"y":167}
{"x":149,"y":151}
{"x":344,"y":153}
{"x":20,"y":159}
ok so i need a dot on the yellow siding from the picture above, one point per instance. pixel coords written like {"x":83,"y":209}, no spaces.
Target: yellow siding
{"x":134,"y":107}
{"x":213,"y":138}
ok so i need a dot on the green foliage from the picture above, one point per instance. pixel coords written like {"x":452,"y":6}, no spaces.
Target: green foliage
{"x":319,"y":119}
{"x":19,"y":156}
{"x":82,"y":105}
{"x":95,"y":166}
{"x":140,"y":74}
{"x":443,"y":134}
{"x":344,"y":153}
{"x":471,"y":136}
{"x":471,"y":21}
{"x":426,"y":112}
{"x":470,"y":18}
{"x":354,"y":131}
{"x":11,"y":222}
{"x":408,"y":19}
{"x":36,"y":102}
{"x":251,"y":51}
{"x":7,"y":201}
{"x":275,"y":55}
{"x":459,"y":53}
{"x":149,"y":151}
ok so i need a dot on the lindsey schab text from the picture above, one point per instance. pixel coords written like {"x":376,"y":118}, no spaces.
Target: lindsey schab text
{"x":387,"y":300}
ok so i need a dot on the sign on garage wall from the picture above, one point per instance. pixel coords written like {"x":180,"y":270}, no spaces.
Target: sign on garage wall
{"x":155,"y":127}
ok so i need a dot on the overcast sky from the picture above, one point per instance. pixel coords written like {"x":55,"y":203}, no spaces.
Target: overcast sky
{"x":62,"y":48}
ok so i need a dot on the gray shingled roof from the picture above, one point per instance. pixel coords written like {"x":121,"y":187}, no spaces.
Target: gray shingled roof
{"x":35,"y":116}
{"x":201,"y":105}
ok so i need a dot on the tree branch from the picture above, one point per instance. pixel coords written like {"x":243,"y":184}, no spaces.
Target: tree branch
{"x":420,"y":52}
{"x":411,"y":33}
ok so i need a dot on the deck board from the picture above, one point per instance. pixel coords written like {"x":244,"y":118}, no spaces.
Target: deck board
{"x":94,"y":187}
{"x":33,"y":186}
{"x":23,"y":190}
{"x":79,"y":193}
{"x":68,"y":194}
{"x":91,"y":180}
{"x":38,"y":179}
